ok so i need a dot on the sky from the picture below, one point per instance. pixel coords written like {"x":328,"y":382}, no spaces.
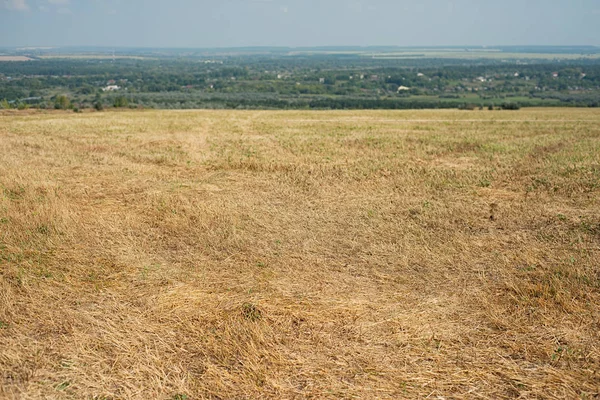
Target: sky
{"x":295,"y":23}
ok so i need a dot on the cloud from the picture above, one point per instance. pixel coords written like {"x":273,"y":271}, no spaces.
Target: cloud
{"x":17,"y":5}
{"x":59,"y":2}
{"x":284,"y":9}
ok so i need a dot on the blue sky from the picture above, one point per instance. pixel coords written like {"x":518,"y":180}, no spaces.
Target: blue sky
{"x":232,"y":23}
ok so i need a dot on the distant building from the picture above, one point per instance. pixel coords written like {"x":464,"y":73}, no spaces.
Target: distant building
{"x":403,"y":88}
{"x":111,"y":88}
{"x":420,"y":74}
{"x":321,"y":80}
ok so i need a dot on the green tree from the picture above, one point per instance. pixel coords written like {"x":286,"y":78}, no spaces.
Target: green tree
{"x":120,"y":102}
{"x":511,"y":106}
{"x":4,"y":104}
{"x":62,"y":102}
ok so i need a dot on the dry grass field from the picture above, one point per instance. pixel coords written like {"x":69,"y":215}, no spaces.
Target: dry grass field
{"x":14,"y":58}
{"x":296,"y":254}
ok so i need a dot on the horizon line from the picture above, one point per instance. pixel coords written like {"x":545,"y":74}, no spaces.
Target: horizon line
{"x":466,"y":46}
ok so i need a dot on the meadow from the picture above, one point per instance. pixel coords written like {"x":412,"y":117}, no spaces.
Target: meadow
{"x":300,"y":254}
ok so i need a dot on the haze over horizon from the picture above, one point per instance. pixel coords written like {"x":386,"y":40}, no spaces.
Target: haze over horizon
{"x":295,"y":23}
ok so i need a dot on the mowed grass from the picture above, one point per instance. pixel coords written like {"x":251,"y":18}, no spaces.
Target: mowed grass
{"x":297,"y":254}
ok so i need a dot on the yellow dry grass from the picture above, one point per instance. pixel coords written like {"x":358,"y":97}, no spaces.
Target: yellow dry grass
{"x":14,"y":58}
{"x":240,"y":255}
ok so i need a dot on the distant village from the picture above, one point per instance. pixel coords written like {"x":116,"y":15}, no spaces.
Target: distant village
{"x":330,"y":82}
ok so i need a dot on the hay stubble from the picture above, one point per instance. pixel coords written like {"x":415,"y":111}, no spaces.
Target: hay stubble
{"x":223,"y":254}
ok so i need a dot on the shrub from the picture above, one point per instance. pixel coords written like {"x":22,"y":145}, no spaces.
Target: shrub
{"x":465,"y":106}
{"x":121,"y":102}
{"x":5,"y":104}
{"x":511,"y":106}
{"x":62,"y":102}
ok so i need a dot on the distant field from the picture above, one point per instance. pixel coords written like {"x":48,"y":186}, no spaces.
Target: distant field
{"x":454,"y":54}
{"x":483,"y":54}
{"x":14,"y":58}
{"x":91,"y":56}
{"x":416,"y":53}
{"x":298,"y":254}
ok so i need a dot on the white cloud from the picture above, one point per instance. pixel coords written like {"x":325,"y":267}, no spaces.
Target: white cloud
{"x":43,"y":8}
{"x":18,"y":5}
{"x":59,"y":2}
{"x":284,"y":9}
